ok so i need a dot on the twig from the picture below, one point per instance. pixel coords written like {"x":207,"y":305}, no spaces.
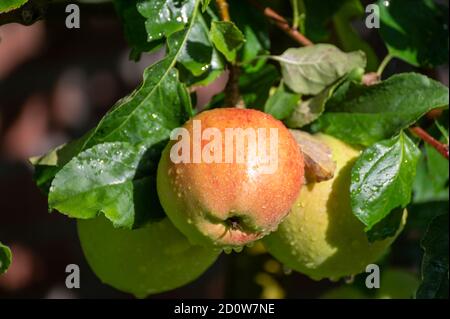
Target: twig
{"x":368,"y":79}
{"x":222,"y":5}
{"x":384,"y":64}
{"x":232,"y":93}
{"x":282,"y":23}
{"x":427,"y":138}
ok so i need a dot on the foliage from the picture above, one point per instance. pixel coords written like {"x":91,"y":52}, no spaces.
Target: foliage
{"x":111,"y":169}
{"x":5,"y":258}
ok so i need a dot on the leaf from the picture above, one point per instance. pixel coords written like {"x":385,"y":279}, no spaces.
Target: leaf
{"x":254,"y":87}
{"x":145,"y":117}
{"x":196,"y":54}
{"x":106,"y":178}
{"x":310,"y":110}
{"x":9,"y":5}
{"x":5,"y":258}
{"x":349,"y":38}
{"x":134,"y":28}
{"x":227,"y":38}
{"x":365,"y":115}
{"x":319,"y":163}
{"x":382,"y":179}
{"x":210,"y":65}
{"x":415,"y":31}
{"x":309,"y":70}
{"x":282,"y":103}
{"x":431,"y":183}
{"x":255,"y":28}
{"x":205,"y":4}
{"x":435,"y":268}
{"x":165,"y":17}
{"x":318,"y":15}
{"x":387,"y":227}
{"x":215,"y":68}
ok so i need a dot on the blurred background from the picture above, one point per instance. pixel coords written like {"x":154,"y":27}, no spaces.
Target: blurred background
{"x":55,"y":84}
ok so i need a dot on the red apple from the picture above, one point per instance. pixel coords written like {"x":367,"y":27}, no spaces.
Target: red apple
{"x":224,"y":201}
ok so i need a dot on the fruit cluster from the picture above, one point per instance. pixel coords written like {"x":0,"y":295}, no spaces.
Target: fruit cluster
{"x":306,"y":224}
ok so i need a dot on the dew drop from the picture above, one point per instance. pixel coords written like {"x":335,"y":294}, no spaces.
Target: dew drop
{"x":238,"y":249}
{"x":349,"y":279}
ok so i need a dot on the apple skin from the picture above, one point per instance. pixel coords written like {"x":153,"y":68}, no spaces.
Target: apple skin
{"x":344,"y":292}
{"x":321,"y":237}
{"x":229,"y":205}
{"x":397,"y":284}
{"x":149,"y":260}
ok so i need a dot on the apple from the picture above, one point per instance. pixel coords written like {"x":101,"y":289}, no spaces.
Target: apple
{"x":321,"y":237}
{"x":230,"y":201}
{"x":344,"y":292}
{"x":149,"y":260}
{"x":397,"y":284}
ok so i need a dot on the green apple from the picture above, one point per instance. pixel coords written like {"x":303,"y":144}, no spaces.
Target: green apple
{"x":230,"y":201}
{"x":149,"y":260}
{"x":397,"y":284}
{"x":344,"y":292}
{"x":321,"y":237}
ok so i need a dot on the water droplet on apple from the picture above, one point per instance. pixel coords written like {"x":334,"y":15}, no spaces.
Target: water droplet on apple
{"x":287,"y":270}
{"x":349,"y":279}
{"x":238,"y":249}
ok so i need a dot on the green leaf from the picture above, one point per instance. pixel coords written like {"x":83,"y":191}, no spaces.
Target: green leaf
{"x":311,"y":109}
{"x":210,"y":69}
{"x":435,"y":268}
{"x":145,"y":117}
{"x":443,"y":130}
{"x":48,"y":165}
{"x":254,"y":88}
{"x":282,"y":103}
{"x":365,"y":115}
{"x":382,"y":179}
{"x":415,"y":31}
{"x":227,"y":38}
{"x":5,"y":258}
{"x":165,"y":17}
{"x":134,"y":28}
{"x":255,"y":28}
{"x":298,"y":14}
{"x":9,"y":5}
{"x":309,"y":70}
{"x":205,"y":4}
{"x":109,"y":178}
{"x":215,"y":68}
{"x":196,"y":54}
{"x":387,"y":227}
{"x":349,"y":38}
{"x":317,"y":16}
{"x":431,"y":183}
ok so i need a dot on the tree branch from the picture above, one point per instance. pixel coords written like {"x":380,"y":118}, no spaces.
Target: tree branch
{"x":232,"y":92}
{"x":282,"y":24}
{"x":222,"y":5}
{"x":427,"y":138}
